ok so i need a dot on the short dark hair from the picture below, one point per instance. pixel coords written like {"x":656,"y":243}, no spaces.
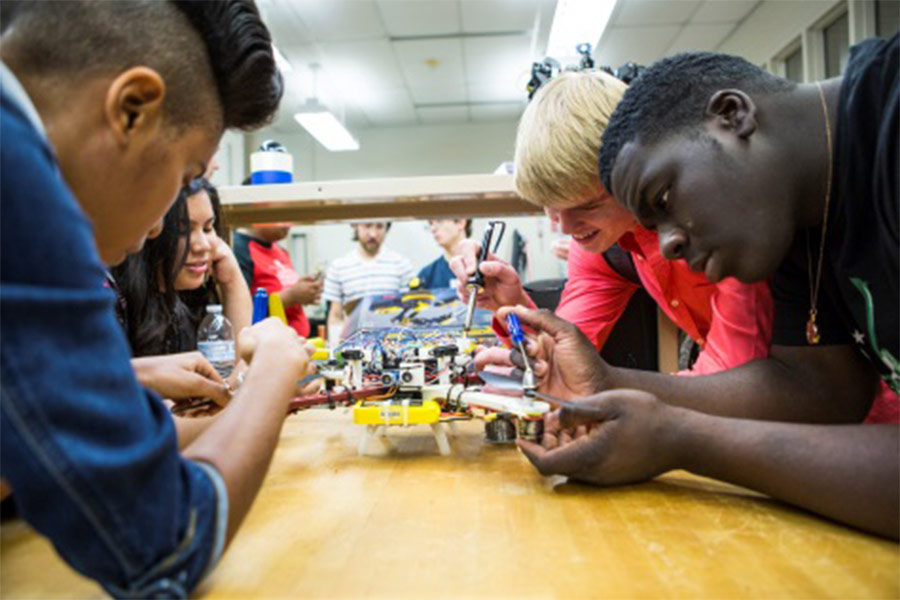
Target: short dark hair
{"x":468,"y":227}
{"x":672,"y":95}
{"x":221,"y":46}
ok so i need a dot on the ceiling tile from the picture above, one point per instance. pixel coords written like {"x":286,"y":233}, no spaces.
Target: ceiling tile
{"x":717,"y":11}
{"x":497,"y":112}
{"x":443,"y":114}
{"x":643,"y":45}
{"x":497,"y":59}
{"x":361,"y":66}
{"x":447,"y":54}
{"x":439,"y":94}
{"x":298,"y":82}
{"x":336,"y":20}
{"x":284,"y":23}
{"x":699,"y":37}
{"x":387,"y":106}
{"x":655,"y":12}
{"x":496,"y":92}
{"x":486,"y":16}
{"x":404,"y":18}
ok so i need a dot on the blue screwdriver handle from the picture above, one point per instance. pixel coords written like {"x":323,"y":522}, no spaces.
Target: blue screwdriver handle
{"x":515,"y":328}
{"x":260,"y":305}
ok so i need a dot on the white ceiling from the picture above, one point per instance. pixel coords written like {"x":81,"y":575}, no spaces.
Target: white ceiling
{"x":644,"y":31}
{"x":406,"y":62}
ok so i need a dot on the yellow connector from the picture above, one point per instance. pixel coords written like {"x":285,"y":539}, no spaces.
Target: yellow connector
{"x":276,"y":307}
{"x":320,"y":354}
{"x":396,"y":412}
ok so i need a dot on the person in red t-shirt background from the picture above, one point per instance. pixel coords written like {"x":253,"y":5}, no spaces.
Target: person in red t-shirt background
{"x":267,"y":265}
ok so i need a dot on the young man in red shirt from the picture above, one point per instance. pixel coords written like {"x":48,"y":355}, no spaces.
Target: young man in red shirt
{"x":267,"y":265}
{"x":556,"y":167}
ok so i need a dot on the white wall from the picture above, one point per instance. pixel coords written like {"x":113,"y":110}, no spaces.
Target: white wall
{"x":463,"y":148}
{"x":773,"y":26}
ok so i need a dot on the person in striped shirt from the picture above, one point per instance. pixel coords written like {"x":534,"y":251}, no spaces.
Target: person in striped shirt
{"x":368,"y":270}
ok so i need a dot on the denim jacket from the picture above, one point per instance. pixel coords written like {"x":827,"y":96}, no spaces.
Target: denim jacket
{"x":92,"y":458}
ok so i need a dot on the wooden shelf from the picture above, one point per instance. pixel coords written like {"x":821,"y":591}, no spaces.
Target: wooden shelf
{"x":394,"y":198}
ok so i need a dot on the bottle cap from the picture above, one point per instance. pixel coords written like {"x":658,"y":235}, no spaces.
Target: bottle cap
{"x":214,"y":309}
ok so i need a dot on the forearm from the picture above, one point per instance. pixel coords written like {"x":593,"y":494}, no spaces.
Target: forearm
{"x":189,"y":428}
{"x":241,"y":440}
{"x":335,"y":321}
{"x":290,"y":297}
{"x":768,"y":389}
{"x":845,"y":472}
{"x":144,"y":370}
{"x":238,"y":305}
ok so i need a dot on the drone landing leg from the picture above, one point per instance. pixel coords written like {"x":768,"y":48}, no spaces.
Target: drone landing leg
{"x":440,"y":436}
{"x":374,"y":431}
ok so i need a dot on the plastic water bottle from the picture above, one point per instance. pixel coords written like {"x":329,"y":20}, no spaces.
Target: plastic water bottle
{"x":215,"y":340}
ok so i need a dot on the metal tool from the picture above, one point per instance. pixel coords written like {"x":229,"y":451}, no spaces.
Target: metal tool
{"x":557,"y":403}
{"x":475,"y":284}
{"x":529,"y":388}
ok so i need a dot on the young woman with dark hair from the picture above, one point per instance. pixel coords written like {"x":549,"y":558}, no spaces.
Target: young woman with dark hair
{"x":168,"y":284}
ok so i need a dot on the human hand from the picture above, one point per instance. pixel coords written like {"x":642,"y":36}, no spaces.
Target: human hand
{"x":181,"y":376}
{"x":560,"y":248}
{"x":275,"y":339}
{"x":309,"y":386}
{"x":225,"y":267}
{"x":306,"y":290}
{"x":565,"y":363}
{"x":502,"y":286}
{"x":613,"y":438}
{"x":495,"y":358}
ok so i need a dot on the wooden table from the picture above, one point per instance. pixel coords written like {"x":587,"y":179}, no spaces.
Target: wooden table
{"x":412,"y":524}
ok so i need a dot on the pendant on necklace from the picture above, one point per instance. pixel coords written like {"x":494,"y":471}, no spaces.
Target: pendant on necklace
{"x":812,"y":330}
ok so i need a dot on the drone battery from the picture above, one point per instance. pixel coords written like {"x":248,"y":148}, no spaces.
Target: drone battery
{"x":397,"y":412}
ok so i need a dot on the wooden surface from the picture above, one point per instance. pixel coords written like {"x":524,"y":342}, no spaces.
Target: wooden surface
{"x":412,"y":524}
{"x":390,"y":198}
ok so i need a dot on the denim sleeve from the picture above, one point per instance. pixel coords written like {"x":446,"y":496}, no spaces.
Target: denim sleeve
{"x":92,"y":458}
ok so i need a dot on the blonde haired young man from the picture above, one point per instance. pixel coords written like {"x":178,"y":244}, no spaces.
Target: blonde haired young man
{"x":556,"y":167}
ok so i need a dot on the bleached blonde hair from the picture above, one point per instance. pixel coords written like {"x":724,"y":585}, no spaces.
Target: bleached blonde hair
{"x":559,"y":138}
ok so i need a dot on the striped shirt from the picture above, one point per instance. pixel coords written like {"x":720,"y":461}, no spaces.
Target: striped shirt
{"x":351,"y":277}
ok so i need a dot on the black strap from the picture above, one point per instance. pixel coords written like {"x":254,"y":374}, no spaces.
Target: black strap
{"x":622,"y":262}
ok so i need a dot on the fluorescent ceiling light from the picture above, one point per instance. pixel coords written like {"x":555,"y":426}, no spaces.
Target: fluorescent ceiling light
{"x":575,"y":22}
{"x":280,"y":61}
{"x":325,"y":127}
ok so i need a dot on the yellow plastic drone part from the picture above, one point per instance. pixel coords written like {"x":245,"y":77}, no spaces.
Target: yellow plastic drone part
{"x":394,"y":412}
{"x":320,"y":354}
{"x":276,"y":307}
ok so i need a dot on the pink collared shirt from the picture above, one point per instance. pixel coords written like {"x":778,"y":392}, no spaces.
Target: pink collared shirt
{"x":731,"y":321}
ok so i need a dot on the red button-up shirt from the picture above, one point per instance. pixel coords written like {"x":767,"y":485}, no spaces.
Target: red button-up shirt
{"x":731,"y":321}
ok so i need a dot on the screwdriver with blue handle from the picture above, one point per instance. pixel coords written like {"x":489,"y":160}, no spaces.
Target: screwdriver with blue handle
{"x":518,"y":338}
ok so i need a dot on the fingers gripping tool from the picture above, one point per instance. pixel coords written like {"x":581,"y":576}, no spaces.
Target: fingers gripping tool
{"x":475,"y":284}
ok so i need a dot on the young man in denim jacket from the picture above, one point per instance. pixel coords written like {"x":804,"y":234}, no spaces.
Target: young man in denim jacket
{"x":107,"y":109}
